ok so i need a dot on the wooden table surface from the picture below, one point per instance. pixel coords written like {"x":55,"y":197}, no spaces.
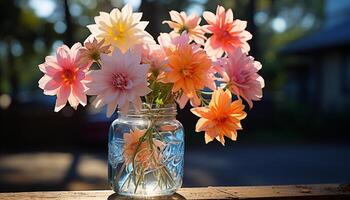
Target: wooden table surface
{"x":322,"y":191}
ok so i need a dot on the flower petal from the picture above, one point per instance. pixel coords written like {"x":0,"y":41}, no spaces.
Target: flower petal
{"x":202,"y":112}
{"x":73,"y":101}
{"x":182,"y":101}
{"x":51,"y":85}
{"x":111,"y":107}
{"x":62,"y":97}
{"x":43,"y":81}
{"x":78,"y":92}
{"x":209,"y":17}
{"x":203,"y":124}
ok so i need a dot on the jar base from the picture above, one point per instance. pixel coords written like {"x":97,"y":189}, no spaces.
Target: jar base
{"x":150,"y":194}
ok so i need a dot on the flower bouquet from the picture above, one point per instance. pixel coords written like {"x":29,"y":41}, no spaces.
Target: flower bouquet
{"x":124,"y":69}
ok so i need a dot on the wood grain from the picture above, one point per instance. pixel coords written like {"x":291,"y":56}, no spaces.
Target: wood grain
{"x":298,"y":192}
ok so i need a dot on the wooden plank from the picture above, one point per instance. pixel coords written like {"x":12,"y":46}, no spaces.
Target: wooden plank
{"x":324,"y":191}
{"x":299,"y":192}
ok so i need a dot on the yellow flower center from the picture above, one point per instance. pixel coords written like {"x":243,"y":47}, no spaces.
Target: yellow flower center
{"x":68,"y":76}
{"x":118,"y":33}
{"x":187,"y":73}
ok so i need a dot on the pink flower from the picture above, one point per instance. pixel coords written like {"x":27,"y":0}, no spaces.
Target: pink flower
{"x":227,"y":34}
{"x":92,"y":49}
{"x":64,"y":77}
{"x":155,"y":57}
{"x":121,"y":79}
{"x":181,"y":22}
{"x":240,"y":73}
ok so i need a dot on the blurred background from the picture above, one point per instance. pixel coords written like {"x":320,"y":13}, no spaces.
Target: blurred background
{"x":297,"y":134}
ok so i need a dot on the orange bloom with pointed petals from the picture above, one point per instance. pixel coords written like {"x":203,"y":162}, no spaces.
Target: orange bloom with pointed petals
{"x":221,"y":118}
{"x":189,"y":70}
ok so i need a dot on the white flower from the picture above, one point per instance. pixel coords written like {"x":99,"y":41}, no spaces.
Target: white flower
{"x":121,"y":29}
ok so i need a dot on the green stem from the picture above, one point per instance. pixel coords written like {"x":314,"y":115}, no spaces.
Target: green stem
{"x":162,"y":174}
{"x":120,"y":171}
{"x":150,"y":98}
{"x":208,"y":93}
{"x":99,"y":64}
{"x":126,"y":180}
{"x":138,"y":182}
{"x":204,"y":102}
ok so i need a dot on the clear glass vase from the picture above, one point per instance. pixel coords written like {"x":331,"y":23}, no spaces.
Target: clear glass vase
{"x":146,"y":152}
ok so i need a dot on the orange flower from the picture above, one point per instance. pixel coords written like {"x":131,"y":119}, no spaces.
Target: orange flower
{"x":144,"y":152}
{"x":221,"y":118}
{"x":189,"y":69}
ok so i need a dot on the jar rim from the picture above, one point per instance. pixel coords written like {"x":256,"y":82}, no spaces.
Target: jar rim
{"x":148,"y":109}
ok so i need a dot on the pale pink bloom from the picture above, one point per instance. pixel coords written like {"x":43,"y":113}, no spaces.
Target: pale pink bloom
{"x":155,"y":57}
{"x":120,"y":81}
{"x":121,"y":28}
{"x":181,"y":22}
{"x":93,"y":49}
{"x":240,"y":73}
{"x":166,"y":42}
{"x":64,"y":76}
{"x":227,"y":34}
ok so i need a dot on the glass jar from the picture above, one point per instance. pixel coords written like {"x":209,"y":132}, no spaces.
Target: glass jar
{"x":146,"y":152}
